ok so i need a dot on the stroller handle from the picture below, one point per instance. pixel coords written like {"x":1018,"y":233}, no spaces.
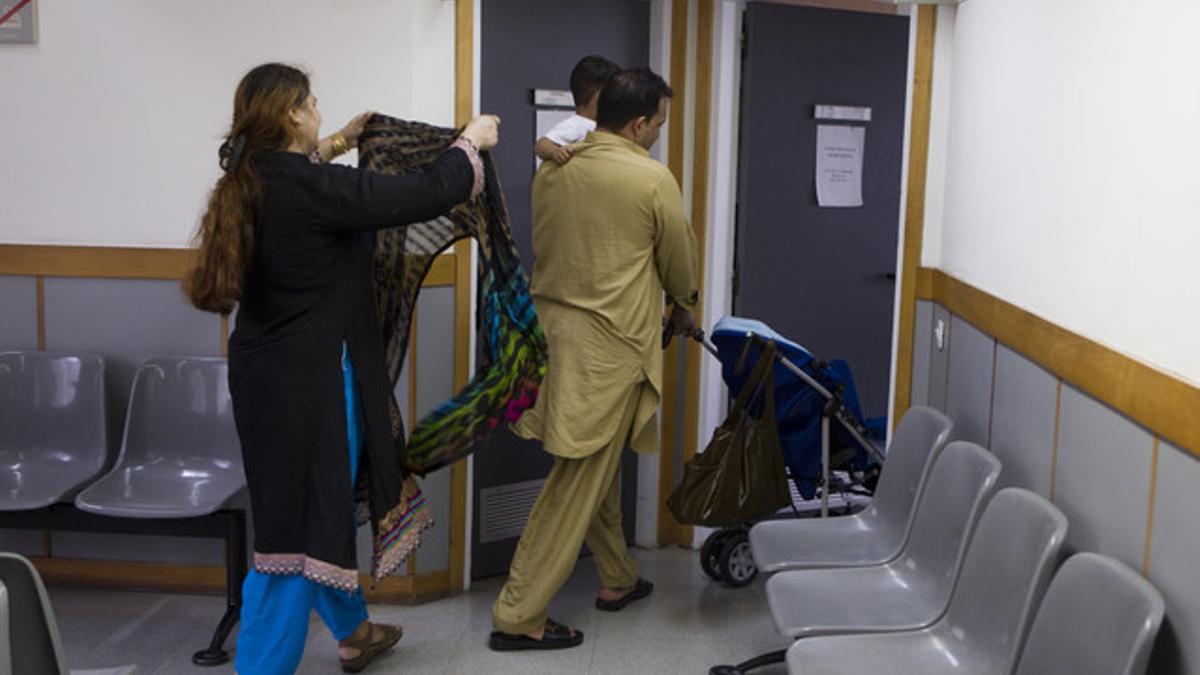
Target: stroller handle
{"x":697,"y":335}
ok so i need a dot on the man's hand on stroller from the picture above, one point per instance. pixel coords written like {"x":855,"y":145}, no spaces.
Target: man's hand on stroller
{"x":681,"y":322}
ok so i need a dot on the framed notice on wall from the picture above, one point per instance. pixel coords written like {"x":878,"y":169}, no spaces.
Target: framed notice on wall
{"x":18,"y":21}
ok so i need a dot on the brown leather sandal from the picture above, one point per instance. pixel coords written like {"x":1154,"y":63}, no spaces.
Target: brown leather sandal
{"x":368,"y":649}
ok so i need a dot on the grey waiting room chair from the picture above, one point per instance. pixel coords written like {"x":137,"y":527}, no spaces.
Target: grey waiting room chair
{"x":53,"y":429}
{"x":31,"y":641}
{"x":907,"y":593}
{"x":180,"y":455}
{"x":1004,"y":577}
{"x":877,"y":534}
{"x":180,"y":464}
{"x":1098,"y":617}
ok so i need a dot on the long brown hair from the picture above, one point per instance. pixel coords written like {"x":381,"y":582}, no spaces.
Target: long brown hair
{"x":225,"y":237}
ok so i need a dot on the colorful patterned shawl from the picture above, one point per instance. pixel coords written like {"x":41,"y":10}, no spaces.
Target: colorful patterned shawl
{"x":514,"y":357}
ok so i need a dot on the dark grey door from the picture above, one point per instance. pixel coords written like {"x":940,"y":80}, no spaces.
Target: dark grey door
{"x":823,"y":277}
{"x":527,"y":45}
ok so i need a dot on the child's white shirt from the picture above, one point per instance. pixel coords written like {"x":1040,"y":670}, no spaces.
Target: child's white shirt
{"x":571,"y":130}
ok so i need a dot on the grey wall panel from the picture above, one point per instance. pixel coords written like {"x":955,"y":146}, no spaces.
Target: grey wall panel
{"x":939,"y":358}
{"x":25,"y":542}
{"x":144,"y":548}
{"x":922,"y":346}
{"x":127,"y":321}
{"x":403,"y":394}
{"x":1175,"y":560}
{"x":1023,"y":421}
{"x":969,"y":385}
{"x":18,"y":313}
{"x":1102,"y":481}
{"x":434,"y":553}
{"x":435,"y":384}
{"x":435,"y":348}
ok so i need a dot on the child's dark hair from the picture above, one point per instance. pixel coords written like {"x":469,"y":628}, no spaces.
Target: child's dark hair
{"x":588,"y":77}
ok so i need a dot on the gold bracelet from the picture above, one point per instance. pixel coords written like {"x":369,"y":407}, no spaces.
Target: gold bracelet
{"x":338,"y":144}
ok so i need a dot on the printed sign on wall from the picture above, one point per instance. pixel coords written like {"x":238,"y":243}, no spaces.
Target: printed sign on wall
{"x":18,"y":21}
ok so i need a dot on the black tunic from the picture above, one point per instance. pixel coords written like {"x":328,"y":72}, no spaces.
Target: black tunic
{"x":308,"y":288}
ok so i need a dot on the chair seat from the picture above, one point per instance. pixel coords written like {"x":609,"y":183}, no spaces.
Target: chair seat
{"x":891,"y":597}
{"x":848,"y":541}
{"x":36,"y":479}
{"x":161,"y":492}
{"x":933,"y":651}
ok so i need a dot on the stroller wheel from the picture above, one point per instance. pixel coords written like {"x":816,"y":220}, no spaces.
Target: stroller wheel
{"x":710,"y":553}
{"x":736,"y":564}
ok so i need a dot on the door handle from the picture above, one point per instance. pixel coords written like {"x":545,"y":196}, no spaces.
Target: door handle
{"x":889,"y":276}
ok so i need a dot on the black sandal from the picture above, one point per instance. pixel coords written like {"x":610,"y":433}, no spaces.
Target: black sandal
{"x":640,"y":590}
{"x":557,"y":636}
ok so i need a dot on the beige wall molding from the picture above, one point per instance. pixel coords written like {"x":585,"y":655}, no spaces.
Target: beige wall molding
{"x":1166,"y":405}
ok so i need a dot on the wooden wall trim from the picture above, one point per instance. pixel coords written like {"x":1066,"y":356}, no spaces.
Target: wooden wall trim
{"x":1150,"y":511}
{"x":700,"y":168}
{"x":463,"y":329}
{"x":177,"y":578}
{"x":914,"y":217}
{"x":464,"y":109}
{"x":154,"y":576}
{"x":95,"y":261}
{"x":1163,"y":403}
{"x":111,"y":262}
{"x":671,"y":532}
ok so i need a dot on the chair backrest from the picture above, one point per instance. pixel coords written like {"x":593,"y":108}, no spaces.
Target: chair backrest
{"x":1098,"y":617}
{"x":180,"y":412}
{"x":959,"y":485}
{"x":53,"y":403}
{"x":33,"y":634}
{"x":1008,"y":566}
{"x":5,"y":647}
{"x":916,"y":443}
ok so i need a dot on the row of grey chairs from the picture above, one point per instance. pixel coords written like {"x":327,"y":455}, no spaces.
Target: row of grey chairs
{"x":178,"y":466}
{"x":179,"y":455}
{"x":956,"y":584}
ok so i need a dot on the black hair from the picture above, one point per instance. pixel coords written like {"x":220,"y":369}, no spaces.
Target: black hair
{"x":629,"y":95}
{"x":589,"y":76}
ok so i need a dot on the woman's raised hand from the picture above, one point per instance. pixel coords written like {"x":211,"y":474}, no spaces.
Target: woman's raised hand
{"x":354,"y":128}
{"x":483,"y":131}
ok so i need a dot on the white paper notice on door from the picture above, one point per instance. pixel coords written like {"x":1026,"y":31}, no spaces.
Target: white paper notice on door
{"x":839,"y":165}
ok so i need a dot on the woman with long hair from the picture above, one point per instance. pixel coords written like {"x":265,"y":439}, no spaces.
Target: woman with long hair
{"x":288,"y":240}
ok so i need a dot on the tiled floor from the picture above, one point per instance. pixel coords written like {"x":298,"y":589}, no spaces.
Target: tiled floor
{"x":688,"y":625}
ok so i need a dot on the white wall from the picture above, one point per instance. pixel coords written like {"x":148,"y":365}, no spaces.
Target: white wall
{"x":110,"y":124}
{"x":939,"y":129}
{"x":1072,"y":168}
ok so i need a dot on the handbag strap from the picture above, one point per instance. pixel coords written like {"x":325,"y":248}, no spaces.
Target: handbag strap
{"x":763,"y":369}
{"x":768,"y":381}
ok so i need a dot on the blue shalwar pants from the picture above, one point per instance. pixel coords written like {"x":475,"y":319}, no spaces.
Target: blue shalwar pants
{"x":275,"y":608}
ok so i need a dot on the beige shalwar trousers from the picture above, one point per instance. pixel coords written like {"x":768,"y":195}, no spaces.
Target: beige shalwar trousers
{"x":580,"y":501}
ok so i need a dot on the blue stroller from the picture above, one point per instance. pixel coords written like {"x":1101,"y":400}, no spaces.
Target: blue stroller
{"x":827,"y":444}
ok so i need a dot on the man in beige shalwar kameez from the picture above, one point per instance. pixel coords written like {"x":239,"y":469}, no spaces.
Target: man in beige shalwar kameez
{"x":611,"y":243}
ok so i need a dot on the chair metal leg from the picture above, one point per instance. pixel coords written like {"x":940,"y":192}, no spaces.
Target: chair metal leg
{"x":235,"y":574}
{"x":756,"y":662}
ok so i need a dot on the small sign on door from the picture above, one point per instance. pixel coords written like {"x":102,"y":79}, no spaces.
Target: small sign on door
{"x":839,"y":165}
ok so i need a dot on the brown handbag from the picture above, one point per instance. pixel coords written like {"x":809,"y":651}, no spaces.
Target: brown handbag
{"x":740,"y":476}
